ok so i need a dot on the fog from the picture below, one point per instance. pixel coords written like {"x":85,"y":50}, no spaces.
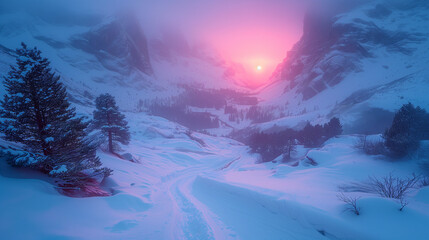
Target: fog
{"x":247,"y":33}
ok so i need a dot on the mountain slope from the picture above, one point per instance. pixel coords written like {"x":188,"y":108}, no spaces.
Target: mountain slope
{"x":85,"y":71}
{"x":110,"y":54}
{"x":370,"y":57}
{"x":121,"y":40}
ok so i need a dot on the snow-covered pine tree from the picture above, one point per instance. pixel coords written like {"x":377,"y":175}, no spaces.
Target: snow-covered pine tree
{"x":111,"y":121}
{"x":406,"y":131}
{"x":333,"y":128}
{"x":36,"y":112}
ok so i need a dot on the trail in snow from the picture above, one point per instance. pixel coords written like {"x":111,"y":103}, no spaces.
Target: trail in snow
{"x":181,"y":189}
{"x":190,"y":209}
{"x":190,"y":219}
{"x":162,"y":197}
{"x":207,"y":212}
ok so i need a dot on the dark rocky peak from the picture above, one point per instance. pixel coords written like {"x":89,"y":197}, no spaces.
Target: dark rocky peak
{"x":172,"y":45}
{"x":119,"y":44}
{"x":332,"y":47}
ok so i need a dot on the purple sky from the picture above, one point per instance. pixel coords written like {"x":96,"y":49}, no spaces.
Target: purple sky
{"x":249,"y":33}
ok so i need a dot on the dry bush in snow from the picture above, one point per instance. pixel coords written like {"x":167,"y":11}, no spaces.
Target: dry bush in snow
{"x":387,"y":187}
{"x":351,"y":202}
{"x":371,"y":146}
{"x":391,"y":186}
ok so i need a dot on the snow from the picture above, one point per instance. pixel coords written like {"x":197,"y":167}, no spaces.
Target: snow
{"x":260,"y":216}
{"x":316,"y":187}
{"x":26,"y":159}
{"x":60,"y":169}
{"x":182,"y":189}
{"x":206,"y":187}
{"x":386,"y":80}
{"x":84,"y":74}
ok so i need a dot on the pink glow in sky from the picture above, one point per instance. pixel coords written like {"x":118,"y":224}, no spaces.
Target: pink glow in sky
{"x":249,"y":33}
{"x":244,"y":34}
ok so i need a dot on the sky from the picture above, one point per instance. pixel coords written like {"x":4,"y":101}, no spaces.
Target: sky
{"x":251,"y":36}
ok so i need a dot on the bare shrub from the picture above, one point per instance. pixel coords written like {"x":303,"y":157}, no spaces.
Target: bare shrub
{"x":424,"y":182}
{"x":351,"y":202}
{"x":375,"y":148}
{"x":371,"y":147}
{"x":361,"y":142}
{"x":387,"y":187}
{"x":403,"y":203}
{"x":393,"y":187}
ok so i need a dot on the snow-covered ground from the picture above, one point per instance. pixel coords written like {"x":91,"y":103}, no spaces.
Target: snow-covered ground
{"x":204,"y":187}
{"x":187,"y":185}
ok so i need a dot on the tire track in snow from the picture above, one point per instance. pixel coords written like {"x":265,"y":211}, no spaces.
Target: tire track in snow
{"x":217,"y":229}
{"x":194,"y":225}
{"x":187,"y":218}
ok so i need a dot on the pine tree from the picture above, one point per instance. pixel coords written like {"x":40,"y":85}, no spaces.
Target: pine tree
{"x":333,"y":128}
{"x":311,"y":136}
{"x":306,"y":134}
{"x":36,"y":112}
{"x":288,"y":149}
{"x":111,"y":121}
{"x":406,"y":130}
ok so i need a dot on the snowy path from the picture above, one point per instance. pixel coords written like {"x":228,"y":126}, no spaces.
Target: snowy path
{"x":166,"y":196}
{"x":206,"y":216}
{"x":186,"y":206}
{"x":165,"y":178}
{"x":186,"y":189}
{"x":183,"y":216}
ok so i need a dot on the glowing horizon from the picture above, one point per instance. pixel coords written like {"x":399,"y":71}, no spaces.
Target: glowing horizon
{"x":244,"y":33}
{"x":241,"y":33}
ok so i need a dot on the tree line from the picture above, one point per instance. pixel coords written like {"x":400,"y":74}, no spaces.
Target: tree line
{"x":272,"y":145}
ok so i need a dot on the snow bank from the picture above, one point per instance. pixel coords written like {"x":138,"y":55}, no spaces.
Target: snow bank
{"x":254,"y":215}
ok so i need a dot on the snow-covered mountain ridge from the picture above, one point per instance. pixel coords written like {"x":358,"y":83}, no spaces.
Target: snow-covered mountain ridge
{"x":110,"y":54}
{"x":170,"y":182}
{"x":117,"y":39}
{"x":371,"y":57}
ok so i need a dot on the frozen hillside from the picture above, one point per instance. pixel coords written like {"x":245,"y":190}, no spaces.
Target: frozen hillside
{"x":119,"y":45}
{"x":174,"y":144}
{"x":368,"y":58}
{"x":85,"y":69}
{"x":189,"y":63}
{"x":185,"y":185}
{"x":112,"y":54}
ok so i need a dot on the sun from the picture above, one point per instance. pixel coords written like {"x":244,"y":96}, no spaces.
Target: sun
{"x":259,"y":67}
